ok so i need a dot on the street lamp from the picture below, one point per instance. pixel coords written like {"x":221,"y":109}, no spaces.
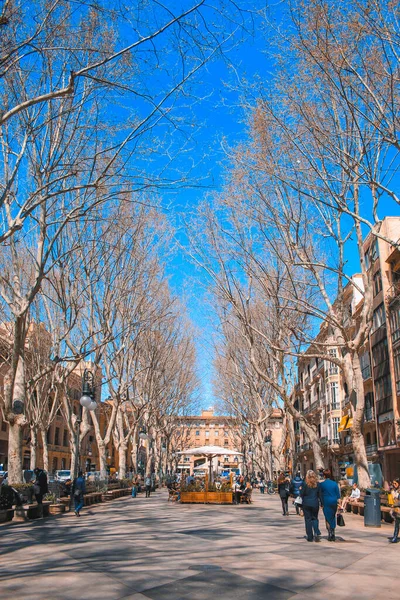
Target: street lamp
{"x":87,"y":401}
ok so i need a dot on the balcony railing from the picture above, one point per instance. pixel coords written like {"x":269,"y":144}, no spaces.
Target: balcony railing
{"x":347,"y":439}
{"x":366,"y":372}
{"x":312,"y":407}
{"x":335,"y":441}
{"x":323,"y":441}
{"x":369,"y":414}
{"x":371,"y":448}
{"x":332,"y":371}
{"x":393,"y":292}
{"x":334,"y":406}
{"x":305,"y":447}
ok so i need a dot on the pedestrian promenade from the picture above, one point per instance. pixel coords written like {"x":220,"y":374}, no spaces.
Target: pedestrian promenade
{"x":138,"y":549}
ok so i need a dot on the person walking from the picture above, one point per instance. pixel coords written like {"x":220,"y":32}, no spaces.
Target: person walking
{"x":330,"y":496}
{"x":295,"y":487}
{"x":310,"y":493}
{"x":395,"y":512}
{"x":78,"y":489}
{"x":40,"y":485}
{"x":147,"y":483}
{"x":283,"y":491}
{"x":262,"y":486}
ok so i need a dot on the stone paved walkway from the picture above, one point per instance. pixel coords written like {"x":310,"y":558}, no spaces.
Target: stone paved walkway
{"x":138,"y":549}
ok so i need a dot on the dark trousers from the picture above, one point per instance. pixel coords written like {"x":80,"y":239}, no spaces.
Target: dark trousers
{"x":39,"y":498}
{"x":285,"y":508}
{"x":396,"y":526}
{"x":238,"y":495}
{"x":311,"y":521}
{"x":330,"y":516}
{"x":148,"y":490}
{"x":78,"y":501}
{"x":262,"y":489}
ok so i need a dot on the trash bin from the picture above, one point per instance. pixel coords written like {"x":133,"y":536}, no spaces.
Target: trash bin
{"x":372,"y":508}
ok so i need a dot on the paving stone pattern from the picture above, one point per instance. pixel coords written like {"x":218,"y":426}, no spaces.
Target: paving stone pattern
{"x":138,"y":549}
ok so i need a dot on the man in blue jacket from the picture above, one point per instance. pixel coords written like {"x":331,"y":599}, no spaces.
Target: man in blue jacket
{"x":330,"y":495}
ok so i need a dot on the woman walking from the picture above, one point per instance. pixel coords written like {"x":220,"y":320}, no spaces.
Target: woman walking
{"x":330,"y":495}
{"x":310,"y":493}
{"x":283,"y":491}
{"x":78,"y":489}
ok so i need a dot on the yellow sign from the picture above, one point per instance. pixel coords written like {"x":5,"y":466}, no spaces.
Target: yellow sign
{"x":343,"y":423}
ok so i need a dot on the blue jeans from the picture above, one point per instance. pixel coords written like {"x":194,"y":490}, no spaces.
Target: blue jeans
{"x":311,"y":521}
{"x":78,"y":502}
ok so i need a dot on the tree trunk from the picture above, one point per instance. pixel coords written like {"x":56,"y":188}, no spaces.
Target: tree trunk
{"x":134,"y":455}
{"x":15,"y":431}
{"x":43,"y":435}
{"x":122,"y":450}
{"x":318,"y":455}
{"x":102,"y":449}
{"x":357,"y":400}
{"x":34,"y":441}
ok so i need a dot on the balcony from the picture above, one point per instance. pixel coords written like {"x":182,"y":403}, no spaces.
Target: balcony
{"x":393,"y":292}
{"x":335,"y":441}
{"x":305,"y":447}
{"x":366,"y":372}
{"x":347,"y":440}
{"x":311,"y":408}
{"x":323,"y":441}
{"x":371,"y":449}
{"x":369,"y":414}
{"x":334,"y":406}
{"x":332,"y":371}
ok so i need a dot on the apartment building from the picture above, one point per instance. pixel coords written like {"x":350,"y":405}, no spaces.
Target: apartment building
{"x":321,"y":393}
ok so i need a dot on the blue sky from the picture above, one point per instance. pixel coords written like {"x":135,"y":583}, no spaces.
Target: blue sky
{"x":220,"y":120}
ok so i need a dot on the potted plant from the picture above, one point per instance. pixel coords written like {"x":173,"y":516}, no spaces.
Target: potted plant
{"x":55,"y":507}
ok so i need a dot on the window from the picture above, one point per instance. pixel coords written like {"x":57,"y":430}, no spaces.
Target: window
{"x":216,"y":433}
{"x":369,"y":407}
{"x":57,"y":437}
{"x":207,"y":434}
{"x":334,"y":391}
{"x":368,"y":439}
{"x":379,"y":317}
{"x":226,"y":443}
{"x":380,"y":358}
{"x":383,"y":391}
{"x":334,"y":430}
{"x":374,"y":250}
{"x":55,"y":464}
{"x":396,"y":360}
{"x":377,"y":283}
{"x":365,"y":365}
{"x":226,"y":434}
{"x":395,"y":324}
{"x":197,"y":432}
{"x":63,"y":464}
{"x":65,"y":437}
{"x":4,"y":426}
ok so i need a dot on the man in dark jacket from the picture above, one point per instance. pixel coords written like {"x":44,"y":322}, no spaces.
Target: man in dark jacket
{"x":295,"y":487}
{"x":40,"y":486}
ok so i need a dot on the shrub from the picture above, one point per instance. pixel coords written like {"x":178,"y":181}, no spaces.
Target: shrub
{"x":6,"y":497}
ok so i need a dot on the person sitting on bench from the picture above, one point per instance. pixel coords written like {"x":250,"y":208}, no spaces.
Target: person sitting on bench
{"x":354,"y":497}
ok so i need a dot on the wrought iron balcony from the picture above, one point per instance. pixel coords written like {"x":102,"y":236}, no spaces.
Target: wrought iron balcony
{"x":371,"y":449}
{"x":369,"y":414}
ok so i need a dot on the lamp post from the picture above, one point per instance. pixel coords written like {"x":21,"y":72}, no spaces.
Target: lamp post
{"x":251,"y":454}
{"x":88,"y":401}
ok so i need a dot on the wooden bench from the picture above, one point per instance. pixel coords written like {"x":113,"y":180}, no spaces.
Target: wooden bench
{"x":357,"y":508}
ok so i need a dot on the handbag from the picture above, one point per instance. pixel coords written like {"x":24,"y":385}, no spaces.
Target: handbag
{"x":340,"y":520}
{"x":298,"y":501}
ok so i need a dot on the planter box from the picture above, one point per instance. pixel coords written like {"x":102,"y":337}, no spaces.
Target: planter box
{"x":6,"y":515}
{"x":56,"y":509}
{"x":206,"y":497}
